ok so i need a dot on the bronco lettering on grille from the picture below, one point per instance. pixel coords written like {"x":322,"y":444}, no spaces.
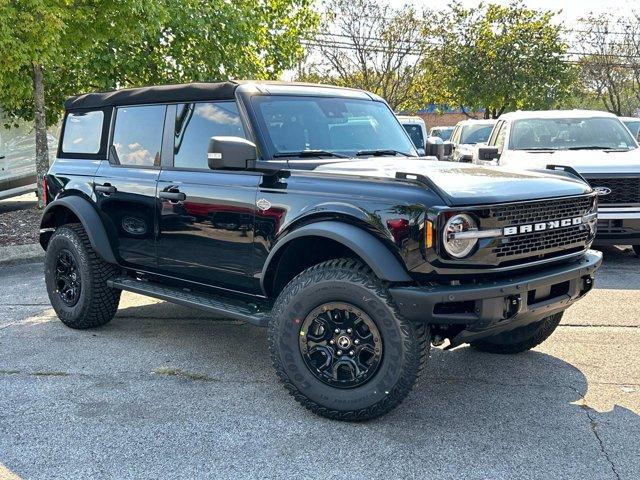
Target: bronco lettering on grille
{"x":541,"y":226}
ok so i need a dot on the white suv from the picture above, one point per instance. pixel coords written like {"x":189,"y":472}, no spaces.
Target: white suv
{"x":465,"y":137}
{"x":595,"y":144}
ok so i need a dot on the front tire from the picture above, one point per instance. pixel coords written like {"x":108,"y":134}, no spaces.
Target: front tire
{"x":76,"y":279}
{"x":339,"y":345}
{"x":521,"y":339}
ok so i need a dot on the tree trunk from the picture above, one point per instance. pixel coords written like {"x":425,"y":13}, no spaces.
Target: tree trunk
{"x":42,"y":147}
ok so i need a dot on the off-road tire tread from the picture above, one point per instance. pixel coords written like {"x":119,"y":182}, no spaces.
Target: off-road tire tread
{"x":104,"y":301}
{"x":547,"y":327}
{"x":348,"y":269}
{"x":423,"y":333}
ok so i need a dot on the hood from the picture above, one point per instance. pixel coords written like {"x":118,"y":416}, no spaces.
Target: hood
{"x":466,"y":184}
{"x":584,"y":161}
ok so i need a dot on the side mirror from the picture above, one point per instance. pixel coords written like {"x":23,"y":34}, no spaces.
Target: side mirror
{"x":448,"y":148}
{"x":233,"y":153}
{"x":434,"y":147}
{"x":488,"y":153}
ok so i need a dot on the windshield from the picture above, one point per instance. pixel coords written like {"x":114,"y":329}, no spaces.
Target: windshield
{"x":570,"y":134}
{"x":443,"y":133}
{"x":478,"y":133}
{"x":634,"y":127}
{"x":329,"y":126}
{"x":415,"y":133}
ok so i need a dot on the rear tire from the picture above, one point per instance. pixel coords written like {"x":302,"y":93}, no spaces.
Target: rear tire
{"x":76,"y":279}
{"x":636,"y":248}
{"x":341,"y":302}
{"x":521,"y":339}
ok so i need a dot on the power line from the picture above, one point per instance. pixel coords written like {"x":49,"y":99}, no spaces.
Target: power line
{"x":426,"y":42}
{"x":341,"y":45}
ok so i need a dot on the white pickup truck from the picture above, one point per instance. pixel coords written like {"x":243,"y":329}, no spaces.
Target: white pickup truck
{"x":597,"y":145}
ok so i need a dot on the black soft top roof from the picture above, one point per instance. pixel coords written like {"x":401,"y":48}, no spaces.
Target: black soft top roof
{"x":188,"y":92}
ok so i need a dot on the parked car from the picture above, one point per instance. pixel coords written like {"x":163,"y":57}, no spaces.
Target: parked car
{"x":306,"y":209}
{"x":442,"y":132}
{"x":466,"y":135}
{"x":417,"y":130}
{"x":17,"y":160}
{"x":595,"y":144}
{"x":633,"y":124}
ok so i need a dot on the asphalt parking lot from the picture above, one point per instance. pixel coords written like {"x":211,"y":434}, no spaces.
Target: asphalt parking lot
{"x":166,"y":392}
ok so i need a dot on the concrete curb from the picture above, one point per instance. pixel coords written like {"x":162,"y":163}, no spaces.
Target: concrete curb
{"x":15,"y":254}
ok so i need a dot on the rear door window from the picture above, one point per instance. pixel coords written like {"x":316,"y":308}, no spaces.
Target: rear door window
{"x":137,"y":136}
{"x":83,"y":132}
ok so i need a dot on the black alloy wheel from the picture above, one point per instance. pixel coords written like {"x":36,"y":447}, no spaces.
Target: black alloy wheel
{"x":340,"y":344}
{"x":67,"y":278}
{"x":77,"y":279}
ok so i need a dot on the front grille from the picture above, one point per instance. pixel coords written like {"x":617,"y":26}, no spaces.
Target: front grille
{"x":565,"y":238}
{"x":624,"y":190}
{"x":546,"y":242}
{"x":532,"y":212}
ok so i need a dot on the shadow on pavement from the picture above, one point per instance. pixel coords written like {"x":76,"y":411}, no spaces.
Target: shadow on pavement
{"x":461,"y":382}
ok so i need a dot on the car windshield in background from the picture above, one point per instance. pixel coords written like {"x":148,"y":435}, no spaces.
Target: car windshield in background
{"x":415,"y":133}
{"x":634,"y":128}
{"x":443,"y":133}
{"x":475,"y":133}
{"x":329,"y":126}
{"x":597,"y":133}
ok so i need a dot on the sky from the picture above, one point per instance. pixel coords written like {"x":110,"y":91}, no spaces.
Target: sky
{"x":571,"y":9}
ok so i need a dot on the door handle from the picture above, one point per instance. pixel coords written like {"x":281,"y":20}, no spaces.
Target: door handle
{"x":174,"y":196}
{"x":105,"y":188}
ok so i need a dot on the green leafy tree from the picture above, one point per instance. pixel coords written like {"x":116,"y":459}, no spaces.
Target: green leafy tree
{"x":500,"y":58}
{"x":609,"y":65}
{"x":50,"y":49}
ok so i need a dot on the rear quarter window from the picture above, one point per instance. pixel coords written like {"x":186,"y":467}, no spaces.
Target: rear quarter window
{"x":83,"y":132}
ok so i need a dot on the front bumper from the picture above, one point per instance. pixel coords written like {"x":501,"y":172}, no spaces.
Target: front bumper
{"x":502,"y":305}
{"x":618,"y":226}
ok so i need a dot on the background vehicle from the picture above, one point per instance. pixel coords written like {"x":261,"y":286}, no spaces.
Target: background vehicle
{"x":443,"y":132}
{"x":466,"y":135}
{"x":633,"y":124}
{"x":417,"y":130}
{"x":306,"y":209}
{"x":17,"y":159}
{"x":596,"y":144}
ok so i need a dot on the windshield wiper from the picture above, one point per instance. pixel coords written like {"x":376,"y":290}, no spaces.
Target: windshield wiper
{"x":380,"y":153}
{"x":592,"y":147}
{"x":308,"y":153}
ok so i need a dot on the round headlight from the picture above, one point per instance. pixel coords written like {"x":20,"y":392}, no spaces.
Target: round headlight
{"x":459,"y":247}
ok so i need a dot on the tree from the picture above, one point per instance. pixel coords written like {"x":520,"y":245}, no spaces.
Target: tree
{"x":500,"y":58}
{"x":50,"y":49}
{"x":372,"y":46}
{"x":606,"y":64}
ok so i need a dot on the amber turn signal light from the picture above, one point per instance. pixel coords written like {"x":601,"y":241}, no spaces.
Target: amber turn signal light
{"x":428,"y":234}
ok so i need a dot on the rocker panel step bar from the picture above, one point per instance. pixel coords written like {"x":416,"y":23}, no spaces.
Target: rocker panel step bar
{"x":217,"y":304}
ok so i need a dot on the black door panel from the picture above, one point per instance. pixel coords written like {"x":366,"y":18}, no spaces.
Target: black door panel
{"x":206,"y":226}
{"x":127,"y":198}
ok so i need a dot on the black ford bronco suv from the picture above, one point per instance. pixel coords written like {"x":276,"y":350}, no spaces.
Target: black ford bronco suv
{"x":306,"y":209}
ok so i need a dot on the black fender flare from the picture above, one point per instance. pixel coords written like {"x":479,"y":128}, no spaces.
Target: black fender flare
{"x":90,"y":220}
{"x":371,"y":250}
